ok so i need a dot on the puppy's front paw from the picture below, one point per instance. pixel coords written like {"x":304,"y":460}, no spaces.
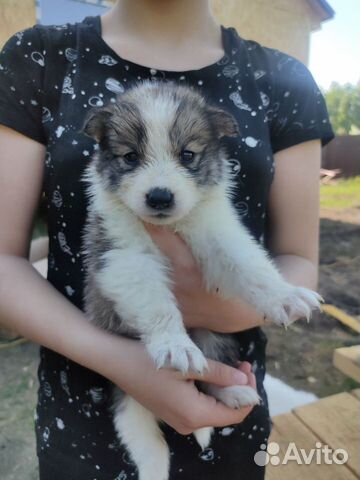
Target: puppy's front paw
{"x":177,"y":351}
{"x":238,"y":396}
{"x":297,"y":302}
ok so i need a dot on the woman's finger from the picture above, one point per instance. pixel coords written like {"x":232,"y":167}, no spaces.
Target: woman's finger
{"x":252,"y":381}
{"x":245,"y":367}
{"x":171,"y":245}
{"x":222,"y":375}
{"x":216,"y":414}
{"x":167,"y":241}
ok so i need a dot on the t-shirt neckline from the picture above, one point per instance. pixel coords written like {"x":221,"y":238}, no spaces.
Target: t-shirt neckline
{"x":95,"y":23}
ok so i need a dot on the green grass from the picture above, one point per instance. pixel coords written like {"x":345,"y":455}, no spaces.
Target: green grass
{"x":343,"y":194}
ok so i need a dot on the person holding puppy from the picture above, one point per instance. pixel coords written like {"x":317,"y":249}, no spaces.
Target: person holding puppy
{"x":49,"y":78}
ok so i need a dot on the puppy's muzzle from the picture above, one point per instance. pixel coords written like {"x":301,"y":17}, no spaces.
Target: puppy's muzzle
{"x":160,"y":199}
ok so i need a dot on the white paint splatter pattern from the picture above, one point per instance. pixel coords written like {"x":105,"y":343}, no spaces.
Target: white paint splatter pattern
{"x":107,"y":60}
{"x":69,"y":290}
{"x":63,"y":244}
{"x":251,"y":142}
{"x":59,"y":131}
{"x":67,"y":87}
{"x":114,"y":85}
{"x":230,"y":71}
{"x":207,"y":455}
{"x":236,"y":98}
{"x":225,"y":432}
{"x":59,"y":423}
{"x":57,"y":199}
{"x":64,"y":382}
{"x":46,"y":115}
{"x":71,"y":54}
{"x":38,"y":58}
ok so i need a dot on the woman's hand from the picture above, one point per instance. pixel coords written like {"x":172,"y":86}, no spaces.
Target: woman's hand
{"x":200,"y":308}
{"x":173,"y":397}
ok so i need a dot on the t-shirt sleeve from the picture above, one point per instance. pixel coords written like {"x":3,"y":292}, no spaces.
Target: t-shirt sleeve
{"x":22,"y":67}
{"x":298,"y":112}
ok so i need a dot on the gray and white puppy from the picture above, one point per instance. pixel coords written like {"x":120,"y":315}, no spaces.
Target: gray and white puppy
{"x":160,"y":161}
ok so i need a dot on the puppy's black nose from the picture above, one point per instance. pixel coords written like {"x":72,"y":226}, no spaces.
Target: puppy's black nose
{"x":160,"y":198}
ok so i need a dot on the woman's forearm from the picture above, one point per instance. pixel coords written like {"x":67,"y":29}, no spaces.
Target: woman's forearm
{"x":32,"y":307}
{"x":298,"y":270}
{"x":237,"y":315}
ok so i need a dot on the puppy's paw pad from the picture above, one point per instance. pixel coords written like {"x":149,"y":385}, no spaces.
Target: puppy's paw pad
{"x":239,"y":396}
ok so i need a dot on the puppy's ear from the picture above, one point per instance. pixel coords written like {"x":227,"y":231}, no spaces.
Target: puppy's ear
{"x":95,"y":122}
{"x":225,"y":124}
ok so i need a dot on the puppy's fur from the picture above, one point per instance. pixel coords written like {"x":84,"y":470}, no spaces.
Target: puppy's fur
{"x":127,"y":286}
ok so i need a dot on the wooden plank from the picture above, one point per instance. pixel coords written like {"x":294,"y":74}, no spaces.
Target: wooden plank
{"x":347,"y":360}
{"x":335,"y":420}
{"x":356,"y":393}
{"x":287,"y":429}
{"x":343,"y":317}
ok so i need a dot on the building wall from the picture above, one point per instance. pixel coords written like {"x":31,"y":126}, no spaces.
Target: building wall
{"x":15,"y":15}
{"x":282,"y":24}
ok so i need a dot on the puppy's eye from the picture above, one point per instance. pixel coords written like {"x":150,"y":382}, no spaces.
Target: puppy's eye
{"x":187,"y":156}
{"x":131,"y":158}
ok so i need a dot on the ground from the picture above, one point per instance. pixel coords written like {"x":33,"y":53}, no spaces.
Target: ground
{"x":18,"y":386}
{"x":301,"y":356}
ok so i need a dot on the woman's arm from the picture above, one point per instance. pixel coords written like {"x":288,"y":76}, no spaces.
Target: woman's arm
{"x":294,"y":213}
{"x":293,"y":240}
{"x":31,"y":306}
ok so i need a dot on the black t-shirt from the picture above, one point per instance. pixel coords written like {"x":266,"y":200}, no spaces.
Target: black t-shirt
{"x":50,"y":76}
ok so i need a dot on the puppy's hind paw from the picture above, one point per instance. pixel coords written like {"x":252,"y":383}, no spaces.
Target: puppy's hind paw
{"x":238,"y":396}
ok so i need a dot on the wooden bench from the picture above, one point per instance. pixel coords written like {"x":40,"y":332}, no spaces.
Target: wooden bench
{"x":347,"y":360}
{"x":332,"y":421}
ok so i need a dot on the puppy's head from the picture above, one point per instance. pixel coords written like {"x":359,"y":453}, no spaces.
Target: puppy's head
{"x":160,"y":150}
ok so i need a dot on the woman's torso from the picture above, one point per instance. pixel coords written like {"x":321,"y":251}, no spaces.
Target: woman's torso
{"x":84,"y":73}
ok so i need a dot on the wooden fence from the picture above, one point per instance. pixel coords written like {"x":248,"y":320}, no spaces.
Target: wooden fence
{"x":343,"y":153}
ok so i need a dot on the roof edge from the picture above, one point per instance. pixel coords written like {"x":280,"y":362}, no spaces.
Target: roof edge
{"x":325,"y":9}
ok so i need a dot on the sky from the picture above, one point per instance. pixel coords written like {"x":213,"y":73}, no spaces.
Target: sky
{"x":62,"y":11}
{"x":335,"y":49}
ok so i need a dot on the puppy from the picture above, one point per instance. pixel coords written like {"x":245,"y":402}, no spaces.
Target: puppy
{"x":160,"y":160}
